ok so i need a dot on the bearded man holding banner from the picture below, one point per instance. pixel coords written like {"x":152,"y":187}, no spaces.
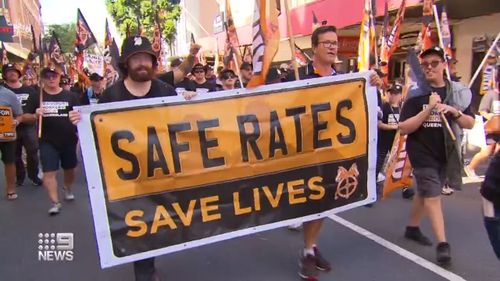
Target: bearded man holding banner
{"x":434,"y":153}
{"x":138,"y":63}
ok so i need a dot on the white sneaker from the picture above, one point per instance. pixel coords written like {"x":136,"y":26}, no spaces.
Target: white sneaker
{"x":295,"y":226}
{"x":55,"y":209}
{"x":446,"y":190}
{"x":469,"y":172}
{"x":68,"y":195}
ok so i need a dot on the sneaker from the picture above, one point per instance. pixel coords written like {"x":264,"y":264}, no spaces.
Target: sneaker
{"x":68,"y":195}
{"x":446,"y":190}
{"x":308,"y":270}
{"x":321,"y":263}
{"x":470,"y":172}
{"x":407,"y":193}
{"x":443,"y":254}
{"x":55,"y":209}
{"x":295,"y":226}
{"x":36,"y":181}
{"x":414,"y":233}
{"x":19,"y":182}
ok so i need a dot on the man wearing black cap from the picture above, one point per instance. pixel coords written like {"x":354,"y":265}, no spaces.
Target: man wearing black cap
{"x":138,"y":64}
{"x":434,"y":156}
{"x":246,"y":72}
{"x":200,"y":80}
{"x":96,"y":88}
{"x":59,"y":138}
{"x":26,"y":133}
{"x":388,"y":125}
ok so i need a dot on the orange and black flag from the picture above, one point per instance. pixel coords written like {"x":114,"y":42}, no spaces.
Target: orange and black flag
{"x":301,"y":57}
{"x":390,"y":38}
{"x":232,"y":42}
{"x":445,"y":33}
{"x":266,"y":39}
{"x":111,"y":56}
{"x":84,"y":36}
{"x":56,"y":57}
{"x":157,"y":46}
{"x":3,"y":54}
{"x":425,"y":37}
{"x":366,"y":38}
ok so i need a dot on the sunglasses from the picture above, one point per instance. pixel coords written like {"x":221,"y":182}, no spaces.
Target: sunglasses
{"x":228,"y":76}
{"x":432,"y":64}
{"x":51,"y":75}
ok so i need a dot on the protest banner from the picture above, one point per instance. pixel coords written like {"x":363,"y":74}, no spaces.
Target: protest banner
{"x":165,"y":174}
{"x":7,"y":128}
{"x":94,"y":64}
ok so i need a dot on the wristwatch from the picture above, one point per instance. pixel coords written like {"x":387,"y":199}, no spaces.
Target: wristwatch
{"x":458,"y":115}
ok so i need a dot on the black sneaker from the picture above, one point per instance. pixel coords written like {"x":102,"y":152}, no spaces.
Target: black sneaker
{"x":308,"y":270}
{"x":407,"y":193}
{"x":19,"y":182}
{"x":36,"y":181}
{"x":321,"y":263}
{"x":414,"y":233}
{"x":443,"y":254}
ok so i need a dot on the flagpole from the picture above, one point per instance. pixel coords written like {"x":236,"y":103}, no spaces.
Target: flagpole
{"x":375,"y":49}
{"x":440,"y":36}
{"x":291,"y":39}
{"x":484,"y":60}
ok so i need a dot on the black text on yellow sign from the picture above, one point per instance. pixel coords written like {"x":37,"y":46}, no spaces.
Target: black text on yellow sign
{"x":7,"y":129}
{"x":165,"y":148}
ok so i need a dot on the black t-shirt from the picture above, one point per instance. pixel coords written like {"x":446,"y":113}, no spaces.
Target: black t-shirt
{"x":207,"y":85}
{"x":187,"y":84}
{"x":56,"y":127}
{"x":390,"y":117}
{"x":118,"y":92}
{"x":23,"y":94}
{"x":426,"y":147}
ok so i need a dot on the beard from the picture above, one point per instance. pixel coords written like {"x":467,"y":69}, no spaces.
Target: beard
{"x":137,"y":74}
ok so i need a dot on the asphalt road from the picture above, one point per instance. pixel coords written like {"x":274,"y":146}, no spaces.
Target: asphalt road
{"x":271,"y":255}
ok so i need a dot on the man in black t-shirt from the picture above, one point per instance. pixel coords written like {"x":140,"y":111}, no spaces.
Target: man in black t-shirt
{"x":59,"y":138}
{"x":26,"y":132}
{"x":180,"y":68}
{"x":200,"y":81}
{"x":138,"y":64}
{"x":431,"y":151}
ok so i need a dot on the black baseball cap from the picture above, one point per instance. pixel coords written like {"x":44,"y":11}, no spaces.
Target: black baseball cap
{"x":95,"y":77}
{"x":246,"y":66}
{"x":198,"y":67}
{"x":135,"y":45}
{"x":436,"y":50}
{"x":395,"y":89}
{"x":49,"y":69}
{"x":10,"y":66}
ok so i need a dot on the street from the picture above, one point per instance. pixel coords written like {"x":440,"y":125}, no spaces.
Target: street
{"x":375,"y":250}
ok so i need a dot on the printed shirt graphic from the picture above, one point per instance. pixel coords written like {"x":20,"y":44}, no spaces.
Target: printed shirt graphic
{"x":426,"y":145}
{"x":390,"y":117}
{"x":56,"y":127}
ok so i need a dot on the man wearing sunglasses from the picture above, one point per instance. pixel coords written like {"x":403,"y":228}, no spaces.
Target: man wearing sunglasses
{"x":324,"y":42}
{"x":200,"y":80}
{"x":227,"y":78}
{"x":59,"y":138}
{"x":434,"y":156}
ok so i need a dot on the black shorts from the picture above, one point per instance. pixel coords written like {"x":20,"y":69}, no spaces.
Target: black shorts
{"x":8,"y":150}
{"x":51,"y":156}
{"x":429,"y":181}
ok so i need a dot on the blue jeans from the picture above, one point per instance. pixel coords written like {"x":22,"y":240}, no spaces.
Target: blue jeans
{"x":492,"y":226}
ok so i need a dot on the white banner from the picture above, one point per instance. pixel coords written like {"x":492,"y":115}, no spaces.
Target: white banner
{"x":94,"y":63}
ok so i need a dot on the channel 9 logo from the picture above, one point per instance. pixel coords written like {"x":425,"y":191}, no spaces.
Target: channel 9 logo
{"x":55,"y":246}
